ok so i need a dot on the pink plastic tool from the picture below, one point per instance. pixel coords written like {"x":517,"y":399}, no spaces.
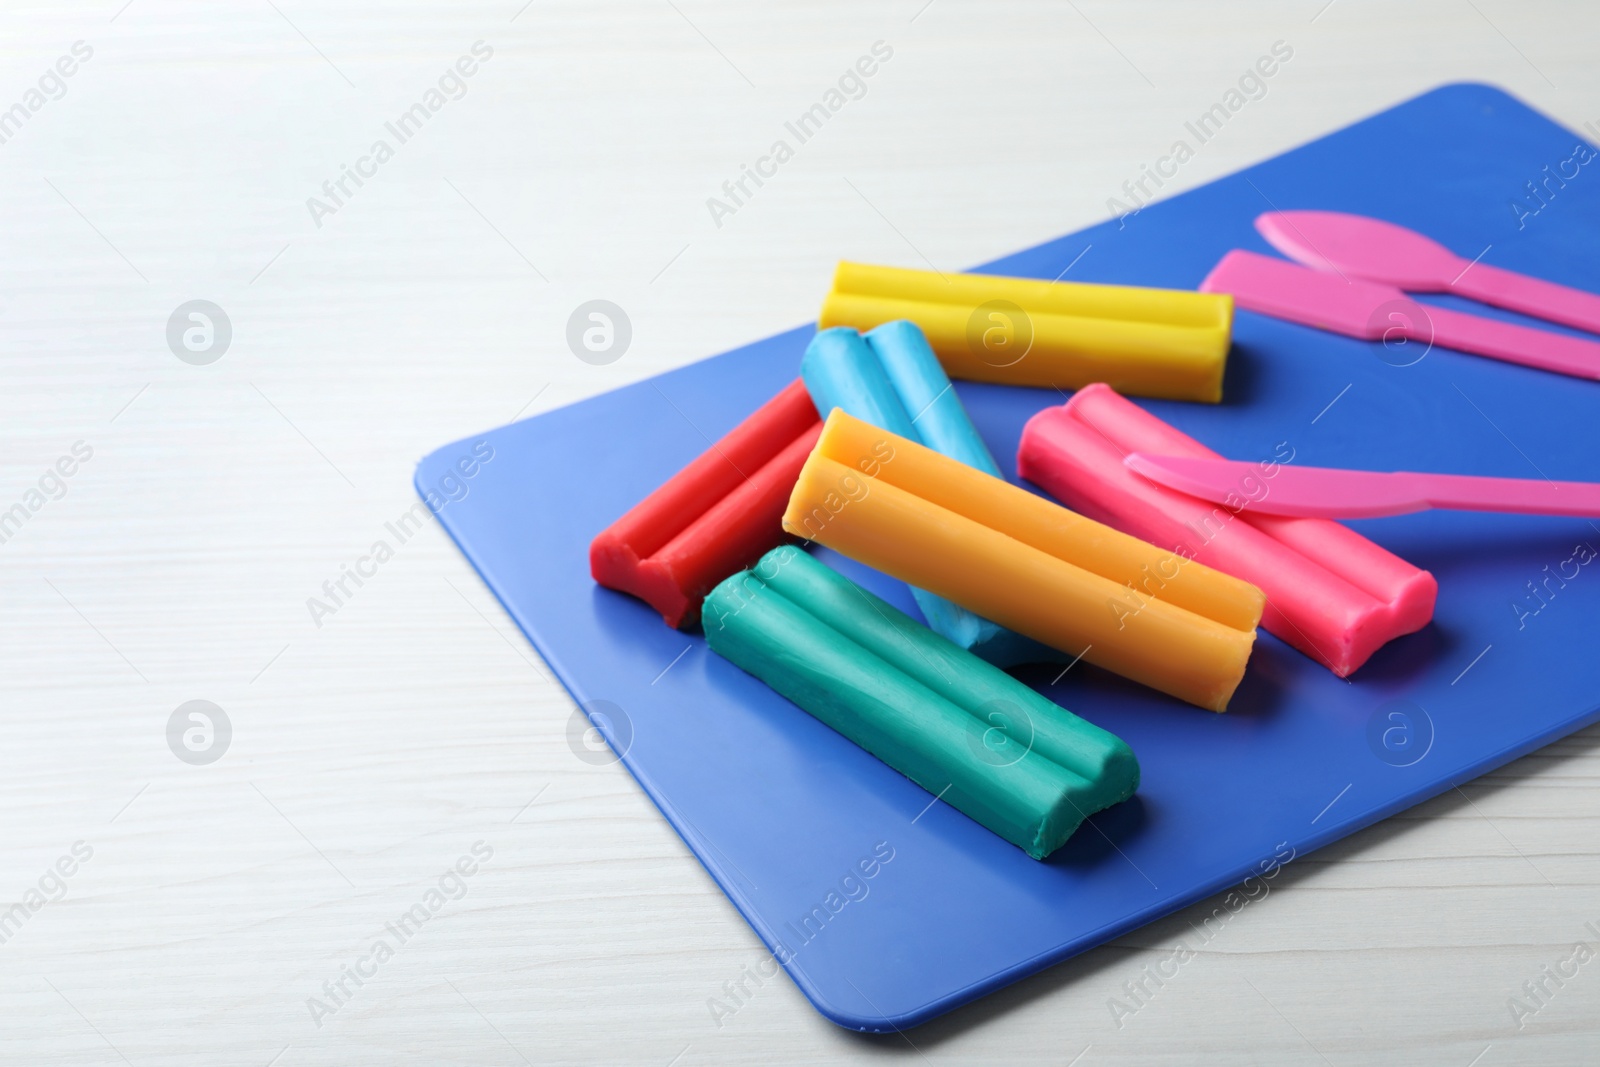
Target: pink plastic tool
{"x":1372,"y":311}
{"x":1331,"y":593}
{"x":1362,"y":247}
{"x":1325,"y":493}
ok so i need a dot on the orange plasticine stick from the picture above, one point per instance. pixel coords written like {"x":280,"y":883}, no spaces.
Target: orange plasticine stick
{"x":1028,"y":564}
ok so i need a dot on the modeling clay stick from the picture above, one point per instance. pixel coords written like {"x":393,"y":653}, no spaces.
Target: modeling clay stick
{"x":1019,"y":331}
{"x":892,"y":379}
{"x":1024,"y":562}
{"x":1330,"y":592}
{"x":964,"y":730}
{"x":715,"y":516}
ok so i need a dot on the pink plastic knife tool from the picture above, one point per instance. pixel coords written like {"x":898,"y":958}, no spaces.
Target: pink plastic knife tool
{"x":1361,"y":247}
{"x":1373,"y":311}
{"x":1327,"y":493}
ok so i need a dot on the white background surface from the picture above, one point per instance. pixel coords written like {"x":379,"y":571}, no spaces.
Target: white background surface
{"x":372,"y":752}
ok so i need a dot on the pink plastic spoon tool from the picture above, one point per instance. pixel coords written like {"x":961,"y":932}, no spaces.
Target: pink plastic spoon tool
{"x":1362,"y":247}
{"x":1326,"y":493}
{"x":1373,"y":311}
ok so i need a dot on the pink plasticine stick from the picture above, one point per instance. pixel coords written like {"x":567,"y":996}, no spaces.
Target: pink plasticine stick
{"x":1330,"y":592}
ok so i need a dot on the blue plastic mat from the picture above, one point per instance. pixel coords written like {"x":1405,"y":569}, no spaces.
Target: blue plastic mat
{"x":790,"y":818}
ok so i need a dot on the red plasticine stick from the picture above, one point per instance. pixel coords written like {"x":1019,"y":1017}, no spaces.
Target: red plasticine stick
{"x":713,"y":518}
{"x":1330,"y":592}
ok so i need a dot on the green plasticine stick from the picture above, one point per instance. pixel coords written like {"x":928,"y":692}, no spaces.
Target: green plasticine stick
{"x":963,"y":729}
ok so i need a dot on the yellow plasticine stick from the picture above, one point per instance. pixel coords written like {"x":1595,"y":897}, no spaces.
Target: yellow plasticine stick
{"x":1028,"y":564}
{"x":1166,"y":343}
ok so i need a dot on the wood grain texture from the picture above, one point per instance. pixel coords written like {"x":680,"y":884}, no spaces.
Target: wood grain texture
{"x":371,"y":752}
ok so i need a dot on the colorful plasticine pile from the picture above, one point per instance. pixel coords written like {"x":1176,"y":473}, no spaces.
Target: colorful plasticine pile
{"x":1139,"y":579}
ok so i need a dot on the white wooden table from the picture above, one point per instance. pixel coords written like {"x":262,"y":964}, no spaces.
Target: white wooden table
{"x":210,"y":907}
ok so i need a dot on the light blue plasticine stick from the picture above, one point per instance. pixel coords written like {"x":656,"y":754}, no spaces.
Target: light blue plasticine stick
{"x":939,"y":420}
{"x":891,"y":378}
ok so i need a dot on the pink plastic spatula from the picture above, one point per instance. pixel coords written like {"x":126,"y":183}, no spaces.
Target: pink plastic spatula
{"x":1374,"y":311}
{"x":1324,"y":493}
{"x":1379,"y":251}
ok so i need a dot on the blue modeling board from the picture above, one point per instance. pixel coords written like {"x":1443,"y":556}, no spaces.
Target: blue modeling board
{"x":780,"y":809}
